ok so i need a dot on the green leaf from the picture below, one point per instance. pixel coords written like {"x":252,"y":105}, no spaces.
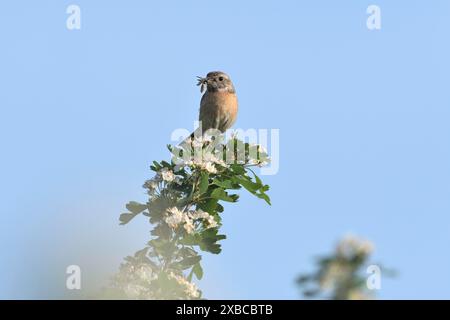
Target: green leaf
{"x":265,"y":197}
{"x":221,"y":194}
{"x":209,"y":205}
{"x":156,"y":166}
{"x":191,"y":239}
{"x":212,"y":234}
{"x":167,"y":284}
{"x":162,"y":230}
{"x":209,"y":237}
{"x":220,"y":237}
{"x":247,"y":184}
{"x":126,"y":217}
{"x":237,"y":169}
{"x":211,"y":247}
{"x":257,"y":179}
{"x":204,"y":182}
{"x":136,"y":207}
{"x":198,"y":271}
{"x":141,"y":253}
{"x":166,"y":164}
{"x":190,"y":261}
{"x":163,"y":247}
{"x":225,"y":184}
{"x":189,"y":277}
{"x":187,"y":252}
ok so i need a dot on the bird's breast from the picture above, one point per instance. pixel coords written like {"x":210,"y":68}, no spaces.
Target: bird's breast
{"x":222,"y":101}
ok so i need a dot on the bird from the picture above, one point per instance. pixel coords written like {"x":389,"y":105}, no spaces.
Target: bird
{"x":219,"y":104}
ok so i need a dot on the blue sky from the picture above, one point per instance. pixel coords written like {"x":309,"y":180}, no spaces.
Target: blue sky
{"x":364,"y":135}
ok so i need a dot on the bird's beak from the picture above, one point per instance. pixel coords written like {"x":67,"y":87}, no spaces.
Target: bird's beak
{"x":201,"y":80}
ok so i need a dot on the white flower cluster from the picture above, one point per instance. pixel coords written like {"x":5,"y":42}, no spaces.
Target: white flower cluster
{"x":164,"y":175}
{"x":200,"y":214}
{"x":152,"y":185}
{"x":261,"y":152}
{"x":190,"y":289}
{"x":208,"y":157}
{"x":201,"y":141}
{"x":340,"y":270}
{"x":334,"y":274}
{"x":167,"y":175}
{"x":351,"y":246}
{"x":338,"y":275}
{"x":135,"y":280}
{"x":204,"y":158}
{"x":175,"y":217}
{"x":205,"y":161}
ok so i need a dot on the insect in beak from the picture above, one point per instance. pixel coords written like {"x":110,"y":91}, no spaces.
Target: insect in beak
{"x":202,"y":82}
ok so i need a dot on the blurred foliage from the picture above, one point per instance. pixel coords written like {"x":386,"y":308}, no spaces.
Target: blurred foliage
{"x":341,"y":275}
{"x":184,"y":208}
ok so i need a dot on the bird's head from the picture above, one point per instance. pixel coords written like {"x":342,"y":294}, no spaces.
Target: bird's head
{"x":216,"y":81}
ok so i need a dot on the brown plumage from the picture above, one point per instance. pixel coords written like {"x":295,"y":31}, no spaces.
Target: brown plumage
{"x":219,"y":104}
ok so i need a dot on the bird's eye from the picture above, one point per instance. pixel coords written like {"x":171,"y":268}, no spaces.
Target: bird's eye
{"x":220,"y":78}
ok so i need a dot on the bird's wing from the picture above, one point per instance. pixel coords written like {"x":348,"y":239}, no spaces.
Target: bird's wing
{"x":208,"y":114}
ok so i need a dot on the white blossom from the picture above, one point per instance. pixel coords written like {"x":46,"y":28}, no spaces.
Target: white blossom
{"x":197,"y":143}
{"x":207,"y":138}
{"x":190,"y":289}
{"x":133,"y":291}
{"x":350,"y":246}
{"x":211,"y":157}
{"x":174,"y":217}
{"x":204,"y":159}
{"x":178,"y":180}
{"x":264,"y":163}
{"x":334,"y":274}
{"x":209,"y":166}
{"x":201,"y":141}
{"x":212,"y":223}
{"x":209,"y":219}
{"x":167,"y":174}
{"x":145,"y":273}
{"x":200,"y":214}
{"x":151,"y":185}
{"x":188,"y":224}
{"x":261,"y":149}
{"x":134,"y":280}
